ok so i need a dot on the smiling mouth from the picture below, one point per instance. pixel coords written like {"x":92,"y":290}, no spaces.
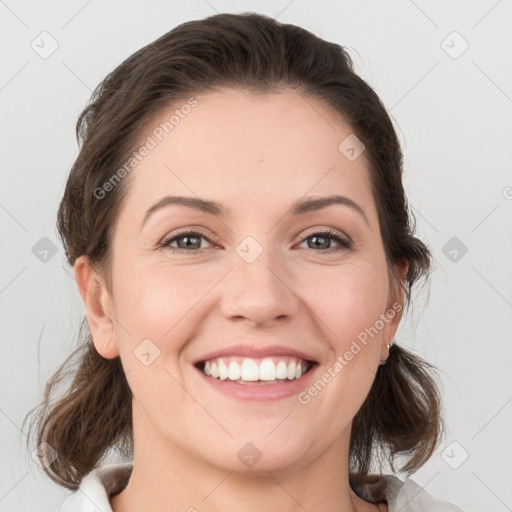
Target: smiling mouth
{"x":250,"y":374}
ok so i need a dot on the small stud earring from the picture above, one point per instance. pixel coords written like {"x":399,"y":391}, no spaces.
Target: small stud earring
{"x":388,"y":345}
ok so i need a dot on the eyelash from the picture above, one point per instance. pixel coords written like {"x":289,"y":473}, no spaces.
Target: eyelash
{"x":344,"y":243}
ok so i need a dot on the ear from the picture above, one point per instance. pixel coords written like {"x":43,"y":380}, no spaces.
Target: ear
{"x":98,"y":307}
{"x":395,"y":307}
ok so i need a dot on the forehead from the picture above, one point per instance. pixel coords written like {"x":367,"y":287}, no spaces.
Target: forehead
{"x":242,"y":149}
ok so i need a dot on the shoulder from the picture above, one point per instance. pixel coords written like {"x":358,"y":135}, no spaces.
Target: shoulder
{"x":403,"y":496}
{"x":96,"y":487}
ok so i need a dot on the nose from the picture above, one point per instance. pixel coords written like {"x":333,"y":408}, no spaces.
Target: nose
{"x":260,"y":292}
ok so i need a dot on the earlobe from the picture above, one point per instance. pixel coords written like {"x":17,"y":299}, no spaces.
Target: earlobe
{"x":98,"y":307}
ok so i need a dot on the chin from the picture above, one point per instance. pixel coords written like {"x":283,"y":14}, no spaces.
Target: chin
{"x":258,"y":456}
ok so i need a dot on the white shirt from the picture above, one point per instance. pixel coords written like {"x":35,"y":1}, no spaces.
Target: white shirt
{"x":401,"y":496}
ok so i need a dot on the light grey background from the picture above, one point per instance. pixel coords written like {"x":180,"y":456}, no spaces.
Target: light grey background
{"x":453,"y":116}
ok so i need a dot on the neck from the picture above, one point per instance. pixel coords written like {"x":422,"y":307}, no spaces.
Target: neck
{"x":166,"y":476}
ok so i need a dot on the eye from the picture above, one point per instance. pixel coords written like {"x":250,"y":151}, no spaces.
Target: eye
{"x":192,"y":241}
{"x":322,"y":240}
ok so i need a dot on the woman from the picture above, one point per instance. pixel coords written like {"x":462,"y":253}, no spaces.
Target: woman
{"x":241,"y":240}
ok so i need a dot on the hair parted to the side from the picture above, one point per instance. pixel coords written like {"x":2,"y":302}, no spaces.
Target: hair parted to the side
{"x":402,"y":413}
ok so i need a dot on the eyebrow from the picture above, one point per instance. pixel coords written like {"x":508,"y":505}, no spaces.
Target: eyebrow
{"x":214,"y":208}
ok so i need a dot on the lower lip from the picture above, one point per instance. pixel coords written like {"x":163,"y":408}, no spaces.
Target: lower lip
{"x":263,"y":392}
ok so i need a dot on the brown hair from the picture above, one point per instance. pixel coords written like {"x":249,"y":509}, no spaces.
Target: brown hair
{"x":402,"y":413}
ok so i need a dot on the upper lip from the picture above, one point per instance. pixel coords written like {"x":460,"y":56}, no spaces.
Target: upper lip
{"x":256,"y":352}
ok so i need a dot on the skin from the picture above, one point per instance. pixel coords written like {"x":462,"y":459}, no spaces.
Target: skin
{"x":256,"y":155}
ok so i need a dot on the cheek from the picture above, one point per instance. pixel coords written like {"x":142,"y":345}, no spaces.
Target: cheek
{"x":347,"y":300}
{"x":156,"y":302}
{"x":155,"y":309}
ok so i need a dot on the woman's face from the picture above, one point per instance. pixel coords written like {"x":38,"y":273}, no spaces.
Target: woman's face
{"x":254,"y":276}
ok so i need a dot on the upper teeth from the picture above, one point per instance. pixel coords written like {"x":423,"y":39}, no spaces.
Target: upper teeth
{"x":255,"y":369}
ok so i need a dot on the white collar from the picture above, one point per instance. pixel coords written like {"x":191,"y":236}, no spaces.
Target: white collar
{"x":404,"y":496}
